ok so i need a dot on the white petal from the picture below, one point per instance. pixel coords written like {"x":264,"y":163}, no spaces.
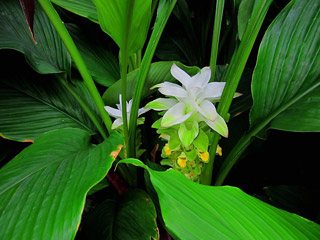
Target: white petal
{"x":202,"y":78}
{"x":117,"y":123}
{"x":219,"y":125}
{"x":213,"y":91}
{"x":161,"y":104}
{"x":172,"y":89}
{"x":180,"y":75}
{"x":175,"y":115}
{"x":142,"y":111}
{"x":208,"y":110}
{"x":129,"y":105}
{"x":116,"y":113}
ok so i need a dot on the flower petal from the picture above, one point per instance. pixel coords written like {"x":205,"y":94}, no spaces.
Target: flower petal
{"x":172,"y":89}
{"x":213,"y":91}
{"x":208,"y":110}
{"x":129,"y":105}
{"x":116,"y":113}
{"x":188,"y":131}
{"x":160,"y":104}
{"x":202,"y":78}
{"x":117,"y":123}
{"x":175,"y":115}
{"x":142,"y":111}
{"x":180,"y":75}
{"x":219,"y":125}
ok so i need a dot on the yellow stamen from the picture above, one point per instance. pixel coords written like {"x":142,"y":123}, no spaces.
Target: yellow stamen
{"x":204,"y":156}
{"x":219,"y":151}
{"x":182,"y":160}
{"x":167,"y":150}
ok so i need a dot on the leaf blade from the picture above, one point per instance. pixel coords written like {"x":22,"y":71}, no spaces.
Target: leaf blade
{"x":49,"y":55}
{"x":221,"y":212}
{"x":43,"y":189}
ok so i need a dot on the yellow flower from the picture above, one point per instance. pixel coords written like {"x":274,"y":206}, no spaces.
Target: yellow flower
{"x":219,"y":150}
{"x":204,"y":156}
{"x":182,"y":160}
{"x":167,"y":150}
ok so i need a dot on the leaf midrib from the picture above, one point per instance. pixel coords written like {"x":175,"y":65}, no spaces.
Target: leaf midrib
{"x":50,"y":105}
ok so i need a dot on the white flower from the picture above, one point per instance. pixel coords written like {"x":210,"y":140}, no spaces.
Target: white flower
{"x":190,"y":103}
{"x":117,"y":113}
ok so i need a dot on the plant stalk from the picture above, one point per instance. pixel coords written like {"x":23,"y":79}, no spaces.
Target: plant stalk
{"x":124,"y":57}
{"x":246,"y":139}
{"x":85,"y":107}
{"x":216,"y":37}
{"x":233,"y":76}
{"x":164,"y":11}
{"x":74,"y":52}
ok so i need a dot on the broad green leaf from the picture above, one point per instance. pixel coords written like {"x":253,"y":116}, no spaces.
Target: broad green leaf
{"x":194,"y":211}
{"x":286,"y":77}
{"x":102,"y":65}
{"x":303,"y":116}
{"x":288,"y":70}
{"x":244,"y":14}
{"x":84,"y":8}
{"x":49,"y":55}
{"x":159,"y":72}
{"x":37,"y":104}
{"x":112,"y":18}
{"x":43,"y":189}
{"x":131,"y":216}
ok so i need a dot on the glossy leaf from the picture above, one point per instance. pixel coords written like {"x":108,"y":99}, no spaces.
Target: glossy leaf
{"x":286,"y":77}
{"x":131,"y":216}
{"x":112,"y":18}
{"x":49,"y":55}
{"x":288,"y":70}
{"x":244,"y":14}
{"x":206,"y":212}
{"x":43,"y":189}
{"x":159,"y":72}
{"x":84,"y":8}
{"x":32,"y":106}
{"x":102,"y":65}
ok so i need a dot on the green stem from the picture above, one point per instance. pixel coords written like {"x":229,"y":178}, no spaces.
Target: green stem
{"x":246,"y":139}
{"x":85,"y":107}
{"x":233,"y":76}
{"x":216,"y":37}
{"x":164,"y":11}
{"x":70,"y":45}
{"x":124,"y":56}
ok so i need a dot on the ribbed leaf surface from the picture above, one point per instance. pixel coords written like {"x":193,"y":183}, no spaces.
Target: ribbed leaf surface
{"x":288,"y":70}
{"x":43,"y":189}
{"x":194,"y":211}
{"x":30,"y":107}
{"x":112,"y":18}
{"x":102,"y":65}
{"x":49,"y":55}
{"x":84,"y":8}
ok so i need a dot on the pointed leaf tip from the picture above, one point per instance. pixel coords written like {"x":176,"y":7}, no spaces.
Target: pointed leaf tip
{"x":28,"y":7}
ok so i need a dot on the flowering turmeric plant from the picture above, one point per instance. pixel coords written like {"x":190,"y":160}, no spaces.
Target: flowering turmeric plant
{"x":68,"y":170}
